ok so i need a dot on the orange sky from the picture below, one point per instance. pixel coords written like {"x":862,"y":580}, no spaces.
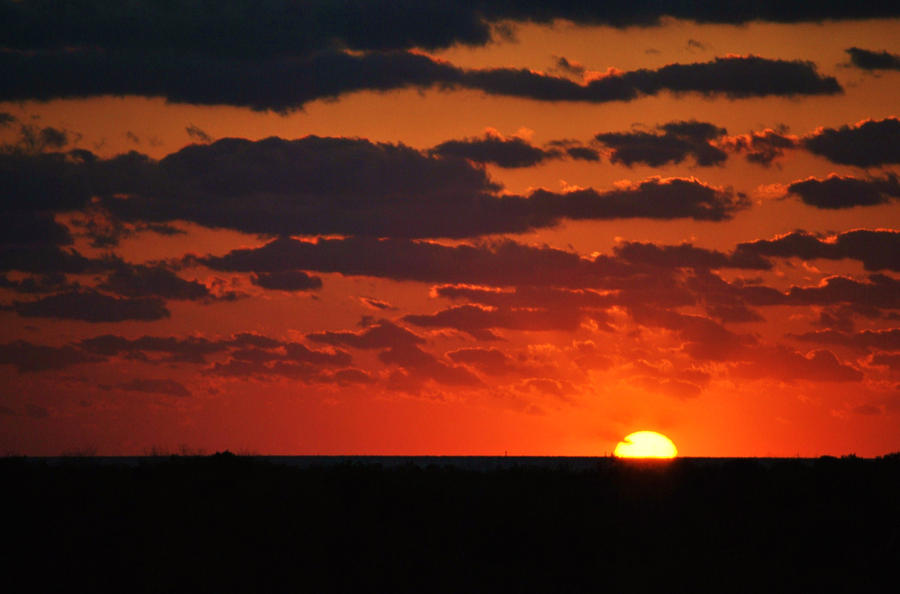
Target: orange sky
{"x":408,"y":346}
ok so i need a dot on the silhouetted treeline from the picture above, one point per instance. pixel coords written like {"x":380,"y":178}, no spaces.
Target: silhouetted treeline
{"x":231,"y":524}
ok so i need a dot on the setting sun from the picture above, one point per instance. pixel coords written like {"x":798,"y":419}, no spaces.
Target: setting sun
{"x":646,"y":444}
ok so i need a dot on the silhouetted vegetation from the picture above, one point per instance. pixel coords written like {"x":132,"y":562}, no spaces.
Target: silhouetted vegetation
{"x":227,"y":523}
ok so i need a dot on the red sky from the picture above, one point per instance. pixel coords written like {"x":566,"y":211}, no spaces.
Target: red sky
{"x":450,"y":231}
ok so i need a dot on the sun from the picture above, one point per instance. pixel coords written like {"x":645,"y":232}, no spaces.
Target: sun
{"x":646,"y":444}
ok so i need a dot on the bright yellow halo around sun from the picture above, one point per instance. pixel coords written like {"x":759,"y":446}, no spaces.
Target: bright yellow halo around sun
{"x":646,"y":444}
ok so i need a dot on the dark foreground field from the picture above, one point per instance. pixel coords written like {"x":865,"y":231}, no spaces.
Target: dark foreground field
{"x":233,"y":524}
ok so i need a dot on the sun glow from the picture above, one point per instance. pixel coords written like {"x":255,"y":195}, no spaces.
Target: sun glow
{"x":646,"y":444}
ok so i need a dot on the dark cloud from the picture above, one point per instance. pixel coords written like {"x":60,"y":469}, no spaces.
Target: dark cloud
{"x":382,"y":335}
{"x":869,"y":60}
{"x":836,"y":191}
{"x":167,"y":387}
{"x":197,"y":134}
{"x":243,"y":28}
{"x":243,"y":349}
{"x":91,"y":306}
{"x":528,"y":297}
{"x":244,"y":339}
{"x":880,"y":292}
{"x":885,"y":340}
{"x":655,"y":198}
{"x":569,"y":66}
{"x":352,"y":186}
{"x":492,"y":148}
{"x":351,"y":376}
{"x":582,"y":153}
{"x":293,"y":81}
{"x":865,"y":144}
{"x":423,"y":366}
{"x":687,"y":255}
{"x":733,"y":77}
{"x":704,"y":338}
{"x":26,"y":356}
{"x":191,"y":349}
{"x":310,"y":186}
{"x":246,"y":369}
{"x":48,"y":259}
{"x":672,"y":143}
{"x":500,"y":263}
{"x":153,"y":281}
{"x":876,"y":249}
{"x":479,"y":321}
{"x":376,"y":303}
{"x":761,"y":147}
{"x":299,"y":353}
{"x":32,"y":228}
{"x":490,"y":361}
{"x":53,"y":282}
{"x":885,"y":360}
{"x":496,"y":264}
{"x":250,"y":29}
{"x":787,"y":365}
{"x":573,"y":149}
{"x":287,"y":280}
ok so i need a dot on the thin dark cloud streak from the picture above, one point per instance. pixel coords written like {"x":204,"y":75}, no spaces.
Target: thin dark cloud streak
{"x":291,"y":82}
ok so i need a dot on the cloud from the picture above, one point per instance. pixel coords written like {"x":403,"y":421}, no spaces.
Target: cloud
{"x":287,"y":280}
{"x":479,"y":321}
{"x":837,"y":192}
{"x":349,"y":186}
{"x":879,"y":292}
{"x":53,"y":282}
{"x":422,"y":366}
{"x":243,"y":29}
{"x":527,"y":297}
{"x":490,"y":361}
{"x":672,"y":143}
{"x":190,"y":350}
{"x":869,"y":60}
{"x":865,"y":144}
{"x":885,"y":340}
{"x":496,"y":149}
{"x":787,"y":365}
{"x":167,"y":387}
{"x":582,"y":153}
{"x":153,"y":281}
{"x":495,"y":264}
{"x":876,"y":249}
{"x":197,"y":134}
{"x":761,"y":147}
{"x":47,"y":259}
{"x":32,"y":228}
{"x":885,"y":360}
{"x":501,"y":263}
{"x":291,"y":82}
{"x":91,"y":306}
{"x":242,"y":348}
{"x":25,"y":356}
{"x":687,"y":255}
{"x":381,"y":335}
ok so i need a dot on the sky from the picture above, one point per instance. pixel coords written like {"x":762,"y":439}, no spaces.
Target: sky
{"x":441,"y":228}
